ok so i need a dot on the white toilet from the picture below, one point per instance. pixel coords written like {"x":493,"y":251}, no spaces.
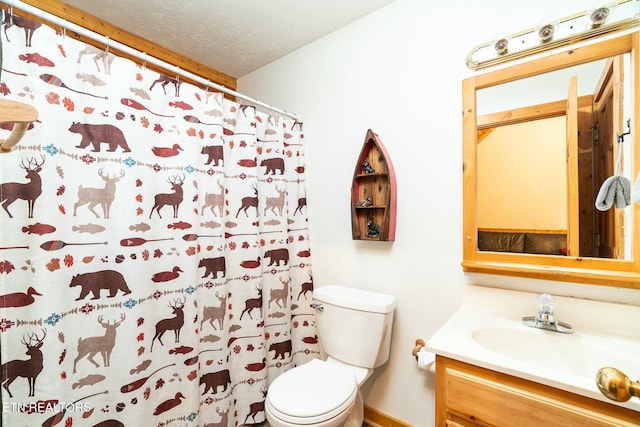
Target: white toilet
{"x":354,"y":328}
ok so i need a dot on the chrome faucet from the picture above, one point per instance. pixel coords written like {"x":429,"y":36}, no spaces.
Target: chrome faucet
{"x":545,"y":318}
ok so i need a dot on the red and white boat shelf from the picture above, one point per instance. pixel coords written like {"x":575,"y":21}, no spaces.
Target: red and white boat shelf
{"x":373,"y":193}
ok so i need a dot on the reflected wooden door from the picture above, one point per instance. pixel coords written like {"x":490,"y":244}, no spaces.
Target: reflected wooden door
{"x":573,"y":222}
{"x":607,"y":118}
{"x":585,"y":176}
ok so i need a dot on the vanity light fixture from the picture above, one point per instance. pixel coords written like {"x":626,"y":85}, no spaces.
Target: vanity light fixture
{"x":603,"y":18}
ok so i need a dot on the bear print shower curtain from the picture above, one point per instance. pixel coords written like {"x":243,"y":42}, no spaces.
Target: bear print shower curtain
{"x":154,"y":252}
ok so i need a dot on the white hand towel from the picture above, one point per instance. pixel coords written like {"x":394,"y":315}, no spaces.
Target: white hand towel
{"x":615,"y":190}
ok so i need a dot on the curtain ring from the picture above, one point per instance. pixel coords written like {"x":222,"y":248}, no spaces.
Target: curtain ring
{"x":178,"y":75}
{"x":144,"y":61}
{"x":106,"y":49}
{"x":64,"y":30}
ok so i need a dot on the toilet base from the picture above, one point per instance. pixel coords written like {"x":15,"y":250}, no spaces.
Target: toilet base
{"x":356,"y":417}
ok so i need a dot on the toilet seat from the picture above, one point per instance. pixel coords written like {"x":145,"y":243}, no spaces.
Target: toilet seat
{"x":312,"y":393}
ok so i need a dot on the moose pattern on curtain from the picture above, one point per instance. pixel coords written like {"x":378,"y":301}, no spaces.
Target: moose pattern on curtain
{"x":154,"y":254}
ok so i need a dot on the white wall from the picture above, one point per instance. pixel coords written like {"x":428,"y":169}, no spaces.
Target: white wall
{"x":398,"y":71}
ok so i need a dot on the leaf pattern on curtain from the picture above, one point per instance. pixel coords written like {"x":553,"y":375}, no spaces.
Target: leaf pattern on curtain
{"x":154,"y":253}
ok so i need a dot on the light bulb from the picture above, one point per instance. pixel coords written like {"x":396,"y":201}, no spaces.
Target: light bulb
{"x":599,"y":12}
{"x":546,"y":28}
{"x":500,"y":42}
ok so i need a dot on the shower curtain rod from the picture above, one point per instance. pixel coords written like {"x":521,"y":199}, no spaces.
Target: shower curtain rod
{"x":138,"y":54}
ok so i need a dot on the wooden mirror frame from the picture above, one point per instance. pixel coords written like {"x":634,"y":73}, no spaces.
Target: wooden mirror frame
{"x":608,"y":272}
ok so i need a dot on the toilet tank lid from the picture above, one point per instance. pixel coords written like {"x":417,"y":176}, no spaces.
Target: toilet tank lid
{"x":357,"y":299}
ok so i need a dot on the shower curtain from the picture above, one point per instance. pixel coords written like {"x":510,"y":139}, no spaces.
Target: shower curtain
{"x":154,"y":251}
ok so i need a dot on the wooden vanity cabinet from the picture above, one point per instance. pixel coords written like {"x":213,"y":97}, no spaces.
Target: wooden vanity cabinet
{"x":467,"y":395}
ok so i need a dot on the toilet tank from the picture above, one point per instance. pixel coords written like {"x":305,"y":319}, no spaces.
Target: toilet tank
{"x":354,"y":325}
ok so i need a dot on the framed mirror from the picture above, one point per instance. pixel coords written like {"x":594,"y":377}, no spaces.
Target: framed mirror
{"x":540,"y":141}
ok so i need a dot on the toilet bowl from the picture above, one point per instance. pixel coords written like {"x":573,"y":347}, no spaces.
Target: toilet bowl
{"x":354,"y":327}
{"x":318,"y":393}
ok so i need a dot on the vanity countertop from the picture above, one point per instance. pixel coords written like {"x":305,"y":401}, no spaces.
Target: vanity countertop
{"x":487,"y":331}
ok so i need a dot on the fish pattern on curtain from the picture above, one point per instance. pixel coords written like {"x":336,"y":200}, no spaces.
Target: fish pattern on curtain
{"x":154,"y":254}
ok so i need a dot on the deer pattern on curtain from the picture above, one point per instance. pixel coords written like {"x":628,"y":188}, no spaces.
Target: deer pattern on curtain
{"x":154,"y":250}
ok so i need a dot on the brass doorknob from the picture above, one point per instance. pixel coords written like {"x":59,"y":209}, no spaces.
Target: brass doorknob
{"x":615,"y":385}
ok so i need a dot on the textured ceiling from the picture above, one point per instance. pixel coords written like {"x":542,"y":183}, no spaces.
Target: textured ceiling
{"x":235,"y":37}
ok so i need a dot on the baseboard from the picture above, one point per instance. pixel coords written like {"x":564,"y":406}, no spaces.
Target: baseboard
{"x":376,"y":418}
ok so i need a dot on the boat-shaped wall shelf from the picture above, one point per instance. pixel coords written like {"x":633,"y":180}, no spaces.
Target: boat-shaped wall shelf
{"x":373,"y":193}
{"x":607,"y":18}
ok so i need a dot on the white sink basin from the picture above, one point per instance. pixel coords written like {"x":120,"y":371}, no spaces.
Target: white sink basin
{"x":605,"y":335}
{"x":580,"y":353}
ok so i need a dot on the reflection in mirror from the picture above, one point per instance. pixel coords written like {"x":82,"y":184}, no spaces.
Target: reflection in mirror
{"x":522,"y":199}
{"x":540,"y":139}
{"x":522,"y":170}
